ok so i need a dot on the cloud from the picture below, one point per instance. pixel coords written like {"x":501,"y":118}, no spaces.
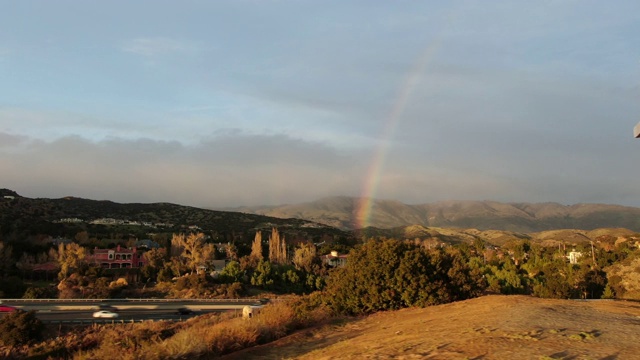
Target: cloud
{"x":532,"y":103}
{"x":154,"y":46}
{"x":11,"y":141}
{"x":232,"y":170}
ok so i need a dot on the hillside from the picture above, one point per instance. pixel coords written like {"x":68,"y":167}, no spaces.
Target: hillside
{"x":22,"y":216}
{"x":490,"y":327}
{"x":483,"y":215}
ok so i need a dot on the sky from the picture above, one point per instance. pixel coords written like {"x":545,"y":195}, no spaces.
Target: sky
{"x":238,"y":103}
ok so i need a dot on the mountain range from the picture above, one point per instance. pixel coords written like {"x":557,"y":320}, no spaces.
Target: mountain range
{"x":327,"y":220}
{"x":340,"y":212}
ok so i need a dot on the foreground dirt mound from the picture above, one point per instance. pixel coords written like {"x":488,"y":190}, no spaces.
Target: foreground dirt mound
{"x":491,"y":327}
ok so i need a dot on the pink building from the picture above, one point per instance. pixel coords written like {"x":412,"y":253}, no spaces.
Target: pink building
{"x":116,"y":258}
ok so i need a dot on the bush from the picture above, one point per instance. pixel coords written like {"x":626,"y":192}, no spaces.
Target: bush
{"x":40,"y":293}
{"x":232,"y":291}
{"x":390,"y":274}
{"x":20,"y":327}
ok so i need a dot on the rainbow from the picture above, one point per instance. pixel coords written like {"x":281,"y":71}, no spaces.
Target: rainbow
{"x":372,"y":177}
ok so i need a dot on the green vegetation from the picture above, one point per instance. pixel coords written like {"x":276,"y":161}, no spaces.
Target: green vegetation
{"x":429,"y":268}
{"x":391,"y":274}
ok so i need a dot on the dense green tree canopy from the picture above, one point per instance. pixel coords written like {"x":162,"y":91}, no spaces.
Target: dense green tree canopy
{"x":391,"y":274}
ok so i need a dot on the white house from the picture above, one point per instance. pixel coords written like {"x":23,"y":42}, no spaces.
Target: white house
{"x":574,"y":256}
{"x":334,"y":259}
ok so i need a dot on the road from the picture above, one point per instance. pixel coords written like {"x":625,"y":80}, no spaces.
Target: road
{"x":124,"y":315}
{"x":79,"y":310}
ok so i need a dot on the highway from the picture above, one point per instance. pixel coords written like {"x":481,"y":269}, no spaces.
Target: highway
{"x":81,"y":310}
{"x":73,"y":316}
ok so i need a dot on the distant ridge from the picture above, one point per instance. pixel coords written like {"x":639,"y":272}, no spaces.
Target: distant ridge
{"x":22,"y":216}
{"x":451,"y":222}
{"x":340,"y":212}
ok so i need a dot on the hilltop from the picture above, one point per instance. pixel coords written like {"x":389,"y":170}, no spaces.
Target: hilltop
{"x":489,"y":327}
{"x":21,"y":216}
{"x":483,"y":215}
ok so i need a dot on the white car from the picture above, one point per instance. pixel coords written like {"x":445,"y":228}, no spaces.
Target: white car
{"x":105,"y":314}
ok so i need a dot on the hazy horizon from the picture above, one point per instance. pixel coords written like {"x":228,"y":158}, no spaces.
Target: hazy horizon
{"x":247,"y":103}
{"x":257,"y":206}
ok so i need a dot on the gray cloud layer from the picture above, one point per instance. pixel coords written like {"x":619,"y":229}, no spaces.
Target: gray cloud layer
{"x":246,"y":103}
{"x":225,"y":171}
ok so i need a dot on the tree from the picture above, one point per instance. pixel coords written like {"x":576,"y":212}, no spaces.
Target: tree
{"x":554,"y":281}
{"x":166,"y":273}
{"x":390,"y":274}
{"x":256,"y":247}
{"x":304,"y":258}
{"x":192,"y":250}
{"x":82,"y":237}
{"x":231,"y":252}
{"x":589,"y":282}
{"x":277,"y":248}
{"x":26,"y":262}
{"x":155,"y":257}
{"x":263,"y":275}
{"x":506,"y":278}
{"x":40,"y":293}
{"x":231,"y":272}
{"x":20,"y":327}
{"x":6,"y":256}
{"x":608,"y":293}
{"x":70,"y":257}
{"x":519,"y":250}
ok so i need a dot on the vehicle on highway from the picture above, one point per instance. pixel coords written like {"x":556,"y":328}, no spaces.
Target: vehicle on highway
{"x":107,"y":307}
{"x":7,"y":308}
{"x":184,"y":311}
{"x":105,"y":314}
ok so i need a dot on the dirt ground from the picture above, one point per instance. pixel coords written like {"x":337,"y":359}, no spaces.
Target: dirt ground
{"x":490,"y":327}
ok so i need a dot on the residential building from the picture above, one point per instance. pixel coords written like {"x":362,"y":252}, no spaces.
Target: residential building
{"x":334,"y":259}
{"x":117,"y":258}
{"x":574,"y":256}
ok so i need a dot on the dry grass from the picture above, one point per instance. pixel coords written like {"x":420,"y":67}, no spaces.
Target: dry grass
{"x":490,"y":327}
{"x":200,"y":337}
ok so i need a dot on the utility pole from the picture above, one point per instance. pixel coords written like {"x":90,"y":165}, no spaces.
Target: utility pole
{"x":593,"y":255}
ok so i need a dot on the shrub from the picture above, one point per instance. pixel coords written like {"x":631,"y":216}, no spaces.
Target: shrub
{"x":231,"y":273}
{"x":40,"y":293}
{"x":20,"y":327}
{"x":390,"y":274}
{"x":232,"y":291}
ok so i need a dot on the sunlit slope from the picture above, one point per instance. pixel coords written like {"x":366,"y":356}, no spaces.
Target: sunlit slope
{"x":483,"y":215}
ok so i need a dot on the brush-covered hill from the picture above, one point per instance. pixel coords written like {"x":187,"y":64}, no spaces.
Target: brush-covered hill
{"x":341,"y":212}
{"x":22,"y":216}
{"x":605,"y":237}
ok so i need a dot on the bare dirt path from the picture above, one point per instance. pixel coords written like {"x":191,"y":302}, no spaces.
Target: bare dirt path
{"x":490,"y":327}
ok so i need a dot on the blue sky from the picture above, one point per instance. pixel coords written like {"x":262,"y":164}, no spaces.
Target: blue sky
{"x":232,"y":103}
